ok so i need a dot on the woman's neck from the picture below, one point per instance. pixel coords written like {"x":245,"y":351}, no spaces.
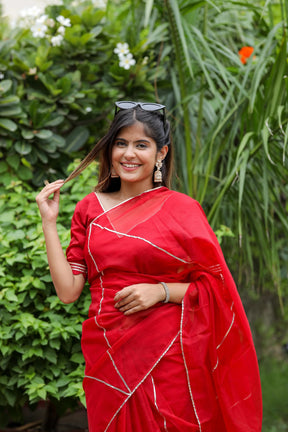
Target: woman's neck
{"x":130,"y":190}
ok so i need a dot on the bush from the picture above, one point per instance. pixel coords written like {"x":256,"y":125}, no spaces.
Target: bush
{"x":39,"y":336}
{"x":61,"y":79}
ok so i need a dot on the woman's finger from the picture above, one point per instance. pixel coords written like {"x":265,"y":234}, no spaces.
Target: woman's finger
{"x":124,"y":301}
{"x":132,"y":310}
{"x":128,"y":306}
{"x":125,"y":292}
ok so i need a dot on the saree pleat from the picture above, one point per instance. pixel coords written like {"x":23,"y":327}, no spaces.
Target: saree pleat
{"x":177,"y":368}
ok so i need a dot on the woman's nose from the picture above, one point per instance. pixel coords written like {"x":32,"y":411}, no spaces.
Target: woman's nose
{"x":130,"y":151}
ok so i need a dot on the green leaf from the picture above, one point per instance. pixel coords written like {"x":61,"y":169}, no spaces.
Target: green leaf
{"x":41,"y":155}
{"x":9,"y":100}
{"x":58,"y":140}
{"x":10,"y":295}
{"x":25,"y":173}
{"x":27,"y":134}
{"x":5,"y":85}
{"x":56,"y":121}
{"x":44,"y":134}
{"x":77,"y":358}
{"x":7,"y":216}
{"x":3,"y":167}
{"x":8,"y":124}
{"x":23,"y":147}
{"x":50,"y":355}
{"x":13,"y":161}
{"x":10,"y":111}
{"x":76,"y":139}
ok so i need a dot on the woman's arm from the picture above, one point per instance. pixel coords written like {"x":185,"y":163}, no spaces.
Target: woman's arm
{"x":68,"y":286}
{"x":135,"y":298}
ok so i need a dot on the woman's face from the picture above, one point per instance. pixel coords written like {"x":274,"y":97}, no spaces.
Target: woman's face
{"x":134,"y":155}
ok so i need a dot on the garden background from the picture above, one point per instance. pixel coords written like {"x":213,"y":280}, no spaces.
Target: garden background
{"x":221,"y":69}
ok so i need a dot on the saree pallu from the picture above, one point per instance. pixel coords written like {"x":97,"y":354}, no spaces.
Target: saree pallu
{"x":171,"y":368}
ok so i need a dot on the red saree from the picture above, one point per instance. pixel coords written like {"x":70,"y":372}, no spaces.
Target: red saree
{"x":171,"y":368}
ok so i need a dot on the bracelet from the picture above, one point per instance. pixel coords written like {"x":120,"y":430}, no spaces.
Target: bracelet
{"x":167,"y":297}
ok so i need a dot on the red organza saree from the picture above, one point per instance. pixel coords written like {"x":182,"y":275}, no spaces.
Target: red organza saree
{"x":175,"y":368}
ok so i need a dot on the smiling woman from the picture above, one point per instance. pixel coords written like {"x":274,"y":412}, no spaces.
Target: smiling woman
{"x":167,"y":338}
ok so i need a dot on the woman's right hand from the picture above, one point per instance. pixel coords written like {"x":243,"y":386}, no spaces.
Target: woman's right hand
{"x":49,"y":207}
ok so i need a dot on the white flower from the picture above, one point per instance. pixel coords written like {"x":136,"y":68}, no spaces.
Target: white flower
{"x":30,"y":12}
{"x":61,"y":30}
{"x":41,"y":19}
{"x":126,"y":61}
{"x":88,"y":109}
{"x":32,"y":71}
{"x":121,"y":49}
{"x":1,"y":75}
{"x":39,"y":30}
{"x":50,"y":22}
{"x":64,"y":21}
{"x":57,"y":40}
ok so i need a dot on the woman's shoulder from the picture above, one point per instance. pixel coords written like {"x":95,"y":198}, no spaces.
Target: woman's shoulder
{"x":182,"y":199}
{"x":87,"y":202}
{"x":182,"y":206}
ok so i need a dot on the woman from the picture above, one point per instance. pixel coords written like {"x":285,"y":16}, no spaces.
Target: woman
{"x":167,"y":344}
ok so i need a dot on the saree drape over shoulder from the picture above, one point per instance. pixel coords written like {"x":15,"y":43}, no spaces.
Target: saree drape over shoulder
{"x":171,"y":368}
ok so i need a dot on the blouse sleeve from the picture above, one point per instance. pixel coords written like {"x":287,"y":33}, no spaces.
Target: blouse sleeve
{"x":75,"y":250}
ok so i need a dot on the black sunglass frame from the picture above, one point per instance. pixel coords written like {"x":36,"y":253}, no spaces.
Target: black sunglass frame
{"x":143,"y":105}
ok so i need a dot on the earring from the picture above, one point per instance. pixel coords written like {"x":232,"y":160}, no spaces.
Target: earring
{"x":158,"y":173}
{"x":113,"y":173}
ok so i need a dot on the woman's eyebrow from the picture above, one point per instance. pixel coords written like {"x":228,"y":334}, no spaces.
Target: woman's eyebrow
{"x":139,"y":140}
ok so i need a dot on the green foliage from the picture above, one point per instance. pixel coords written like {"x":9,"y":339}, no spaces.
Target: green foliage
{"x":39,"y":336}
{"x":58,"y":93}
{"x":230,"y":124}
{"x":274,"y":377}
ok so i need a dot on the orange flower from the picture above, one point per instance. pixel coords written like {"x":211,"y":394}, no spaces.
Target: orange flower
{"x":244,"y":53}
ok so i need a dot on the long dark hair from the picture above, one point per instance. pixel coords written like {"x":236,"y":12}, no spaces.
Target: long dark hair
{"x":153,"y":127}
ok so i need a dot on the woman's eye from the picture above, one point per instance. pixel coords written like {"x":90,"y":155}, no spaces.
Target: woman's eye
{"x":120,"y":143}
{"x":142,"y":145}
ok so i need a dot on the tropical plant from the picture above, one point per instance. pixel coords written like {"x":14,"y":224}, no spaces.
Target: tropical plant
{"x":230,"y":123}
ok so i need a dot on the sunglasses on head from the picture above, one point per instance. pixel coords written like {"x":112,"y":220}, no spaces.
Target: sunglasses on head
{"x":146,"y":106}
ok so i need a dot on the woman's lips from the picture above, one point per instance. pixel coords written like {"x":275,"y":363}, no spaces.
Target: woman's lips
{"x":130,"y":166}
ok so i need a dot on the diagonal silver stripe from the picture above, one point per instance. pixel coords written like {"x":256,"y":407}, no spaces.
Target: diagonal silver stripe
{"x":228,"y":331}
{"x":143,"y":239}
{"x":107,"y":384}
{"x":155,"y":402}
{"x":118,"y":372}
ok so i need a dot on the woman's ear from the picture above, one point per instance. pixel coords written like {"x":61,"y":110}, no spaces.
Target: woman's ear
{"x":161,"y":154}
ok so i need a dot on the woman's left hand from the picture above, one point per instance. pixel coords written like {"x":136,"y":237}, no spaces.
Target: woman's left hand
{"x":135,"y":298}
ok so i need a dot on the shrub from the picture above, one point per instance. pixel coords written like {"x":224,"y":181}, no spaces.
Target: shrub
{"x":61,"y":79}
{"x":39,"y":336}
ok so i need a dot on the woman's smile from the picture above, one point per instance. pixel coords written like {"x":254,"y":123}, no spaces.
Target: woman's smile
{"x":134,"y":156}
{"x":130,"y":166}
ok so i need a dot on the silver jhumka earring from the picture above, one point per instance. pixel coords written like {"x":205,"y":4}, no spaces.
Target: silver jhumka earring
{"x":158,"y":172}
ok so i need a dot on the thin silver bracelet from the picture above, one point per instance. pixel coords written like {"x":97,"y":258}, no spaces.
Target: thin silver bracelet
{"x":166,"y":291}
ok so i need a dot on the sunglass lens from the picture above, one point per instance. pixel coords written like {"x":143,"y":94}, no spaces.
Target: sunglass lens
{"x":125,"y":104}
{"x":151,"y":106}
